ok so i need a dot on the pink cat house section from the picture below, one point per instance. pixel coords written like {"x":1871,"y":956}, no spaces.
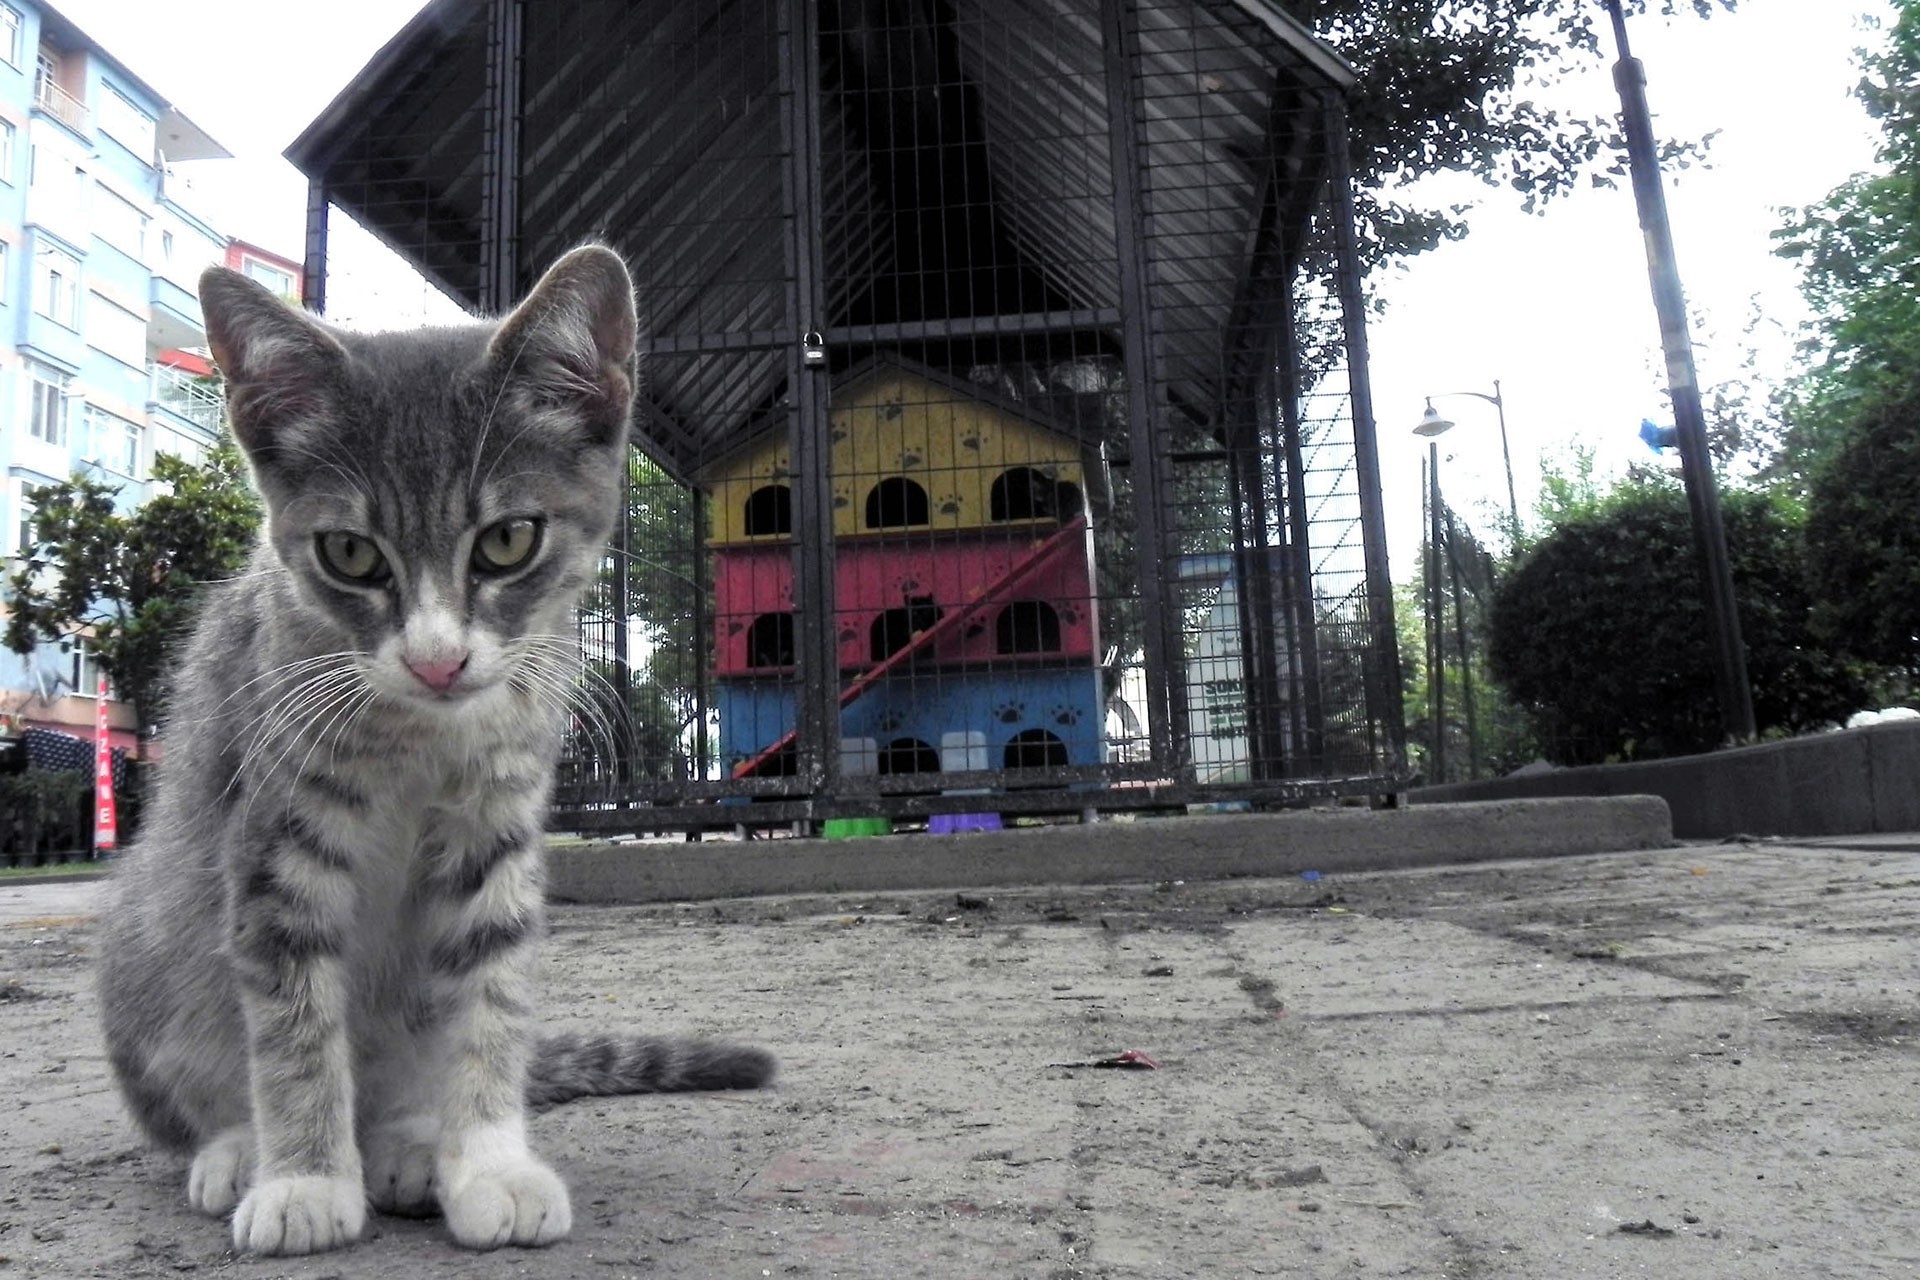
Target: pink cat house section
{"x":886,"y":590}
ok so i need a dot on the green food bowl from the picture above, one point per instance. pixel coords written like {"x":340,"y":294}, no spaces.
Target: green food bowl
{"x":854,"y":828}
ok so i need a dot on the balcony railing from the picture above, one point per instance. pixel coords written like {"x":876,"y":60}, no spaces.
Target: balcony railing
{"x":60,"y":104}
{"x":196,"y":399}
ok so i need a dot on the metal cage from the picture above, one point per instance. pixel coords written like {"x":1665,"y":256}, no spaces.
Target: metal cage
{"x":1005,"y":443}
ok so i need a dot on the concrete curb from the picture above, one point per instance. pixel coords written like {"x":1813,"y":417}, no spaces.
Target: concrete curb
{"x":1841,"y":783}
{"x":54,"y":877}
{"x":1201,"y":847}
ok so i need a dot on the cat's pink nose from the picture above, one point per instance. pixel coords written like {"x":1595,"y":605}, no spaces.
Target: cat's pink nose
{"x":438,"y":676}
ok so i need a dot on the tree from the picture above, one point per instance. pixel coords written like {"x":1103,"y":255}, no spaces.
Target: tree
{"x":1599,"y":631}
{"x":1863,"y":532}
{"x":665,"y":599}
{"x":1444,"y":86}
{"x":128,"y":582}
{"x":1857,"y":412}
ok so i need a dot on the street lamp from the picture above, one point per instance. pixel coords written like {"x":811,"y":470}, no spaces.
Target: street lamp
{"x":1433,"y":424}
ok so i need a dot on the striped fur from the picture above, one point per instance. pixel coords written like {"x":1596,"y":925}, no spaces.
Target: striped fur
{"x":317,"y":965}
{"x":572,"y":1066}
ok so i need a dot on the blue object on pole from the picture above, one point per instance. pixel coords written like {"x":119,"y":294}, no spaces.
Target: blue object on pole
{"x":1658,"y":438}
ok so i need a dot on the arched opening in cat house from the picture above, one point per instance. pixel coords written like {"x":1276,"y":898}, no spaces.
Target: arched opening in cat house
{"x":895,"y":629}
{"x":1027,"y":626}
{"x":1035,"y":749}
{"x":897,"y":503}
{"x":1023,"y":493}
{"x":908,"y":755}
{"x":770,"y":640}
{"x":769,"y":511}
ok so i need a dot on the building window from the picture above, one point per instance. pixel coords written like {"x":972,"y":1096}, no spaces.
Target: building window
{"x":7,"y":134}
{"x":120,"y":224}
{"x":112,"y":442}
{"x":126,"y":124}
{"x":116,"y":331}
{"x":56,"y":286}
{"x":48,"y":421}
{"x":24,"y":511}
{"x":84,"y":670}
{"x":6,"y":272}
{"x":276,"y":280}
{"x":10,"y":34}
{"x":58,"y":82}
{"x":58,"y":183}
{"x":187,"y":448}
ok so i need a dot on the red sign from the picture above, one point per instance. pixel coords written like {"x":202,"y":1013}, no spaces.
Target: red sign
{"x":105,"y":828}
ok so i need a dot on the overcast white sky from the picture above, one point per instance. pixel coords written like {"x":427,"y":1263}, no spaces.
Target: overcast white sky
{"x":1557,"y":307}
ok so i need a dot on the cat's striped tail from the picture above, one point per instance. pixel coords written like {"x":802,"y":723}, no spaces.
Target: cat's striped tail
{"x":573,"y":1065}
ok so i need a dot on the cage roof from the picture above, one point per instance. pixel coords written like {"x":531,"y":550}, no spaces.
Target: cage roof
{"x":692,"y":186}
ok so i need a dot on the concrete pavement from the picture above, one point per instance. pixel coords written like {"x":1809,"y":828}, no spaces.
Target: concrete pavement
{"x":1686,"y":1062}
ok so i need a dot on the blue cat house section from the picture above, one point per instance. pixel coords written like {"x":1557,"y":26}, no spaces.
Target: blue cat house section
{"x":967,"y":624}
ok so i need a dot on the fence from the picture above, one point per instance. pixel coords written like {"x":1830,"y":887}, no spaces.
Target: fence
{"x":1006,"y":418}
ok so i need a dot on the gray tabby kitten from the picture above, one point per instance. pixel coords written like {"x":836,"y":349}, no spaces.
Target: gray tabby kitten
{"x":316,"y":963}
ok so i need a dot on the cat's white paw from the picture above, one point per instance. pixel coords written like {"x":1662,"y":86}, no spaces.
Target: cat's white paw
{"x":308,"y":1213}
{"x":222,"y":1172}
{"x":514,"y":1202}
{"x":398,"y":1157}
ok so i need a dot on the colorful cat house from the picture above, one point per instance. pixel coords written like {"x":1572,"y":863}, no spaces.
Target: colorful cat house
{"x":968,"y":630}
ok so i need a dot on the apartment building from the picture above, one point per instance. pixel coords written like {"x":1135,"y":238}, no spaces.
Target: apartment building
{"x":102,"y":349}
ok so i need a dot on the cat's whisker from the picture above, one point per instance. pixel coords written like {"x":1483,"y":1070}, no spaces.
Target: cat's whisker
{"x":326,"y":709}
{"x":333,"y":732}
{"x":283,"y":671}
{"x":288,"y":702}
{"x":290,"y":709}
{"x":573,"y":688}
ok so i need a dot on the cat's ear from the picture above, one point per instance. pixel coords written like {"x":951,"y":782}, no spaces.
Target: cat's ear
{"x":571,"y":343}
{"x":277,"y":360}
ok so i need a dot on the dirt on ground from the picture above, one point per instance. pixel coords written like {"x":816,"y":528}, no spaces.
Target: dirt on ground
{"x":1697,"y":1062}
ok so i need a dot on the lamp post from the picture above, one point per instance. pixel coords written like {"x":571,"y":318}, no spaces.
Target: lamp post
{"x":1433,"y":424}
{"x":1436,"y":622}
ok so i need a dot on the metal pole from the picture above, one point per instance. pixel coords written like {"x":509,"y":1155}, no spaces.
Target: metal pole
{"x":1466,"y":651}
{"x":702,"y":636}
{"x":1709,"y":535}
{"x":1154,"y":551}
{"x":313,"y":268}
{"x":1384,"y":697}
{"x":1436,"y":625}
{"x":500,"y":166}
{"x":1506,"y":456}
{"x":622,"y":609}
{"x":816,"y":647}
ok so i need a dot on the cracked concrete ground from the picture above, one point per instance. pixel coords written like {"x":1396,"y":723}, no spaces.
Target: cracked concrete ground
{"x":1695,"y":1062}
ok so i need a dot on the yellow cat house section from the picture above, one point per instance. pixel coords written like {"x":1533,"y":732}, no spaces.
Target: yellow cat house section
{"x":912,"y":449}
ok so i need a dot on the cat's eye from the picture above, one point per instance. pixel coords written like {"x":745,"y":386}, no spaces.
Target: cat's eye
{"x":351,"y":556}
{"x":506,"y":545}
